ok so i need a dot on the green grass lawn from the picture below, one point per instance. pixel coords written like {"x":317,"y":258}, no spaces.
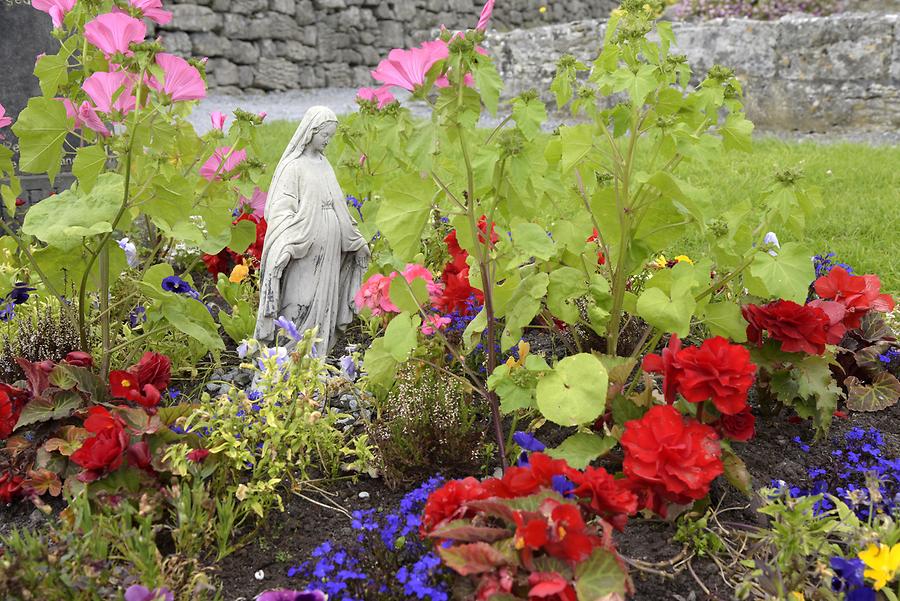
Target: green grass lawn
{"x":860,"y":221}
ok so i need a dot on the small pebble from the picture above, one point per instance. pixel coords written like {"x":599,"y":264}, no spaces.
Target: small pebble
{"x":259,"y":575}
{"x":363,"y":495}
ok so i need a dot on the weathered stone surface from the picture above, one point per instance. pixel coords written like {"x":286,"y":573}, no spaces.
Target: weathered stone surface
{"x":296,"y":51}
{"x":178,"y":42}
{"x":283,"y":6}
{"x":248,"y":7}
{"x":191,"y":17}
{"x":223,"y":72}
{"x":276,"y":74}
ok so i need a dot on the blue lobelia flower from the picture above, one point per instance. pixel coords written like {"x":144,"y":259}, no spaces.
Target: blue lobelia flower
{"x":20,"y":293}
{"x":175,"y":284}
{"x":288,"y":327}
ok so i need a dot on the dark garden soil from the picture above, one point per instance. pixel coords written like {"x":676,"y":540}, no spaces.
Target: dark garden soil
{"x":287,"y":539}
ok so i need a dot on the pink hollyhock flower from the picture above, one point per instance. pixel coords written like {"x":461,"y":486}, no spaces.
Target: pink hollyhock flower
{"x":407,"y":68}
{"x":262,"y":115}
{"x":434,"y":323}
{"x":88,"y":116}
{"x":103,"y":86}
{"x":57,"y":9}
{"x":218,"y":120}
{"x":4,"y":120}
{"x":485,"y":15}
{"x":182,"y":81}
{"x":217,"y":164}
{"x":256,"y":202}
{"x":375,"y":294}
{"x":153,"y":10}
{"x":114,"y":32}
{"x":444,"y":82}
{"x":381,"y":95}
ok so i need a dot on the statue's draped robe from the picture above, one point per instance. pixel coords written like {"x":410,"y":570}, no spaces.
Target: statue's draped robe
{"x":309,"y":267}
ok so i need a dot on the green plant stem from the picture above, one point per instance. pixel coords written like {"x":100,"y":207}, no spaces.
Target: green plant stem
{"x":104,"y":309}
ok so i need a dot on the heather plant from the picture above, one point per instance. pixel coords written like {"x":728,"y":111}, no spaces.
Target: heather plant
{"x":557,"y":230}
{"x":36,"y":331}
{"x":428,"y":419}
{"x":146,"y":182}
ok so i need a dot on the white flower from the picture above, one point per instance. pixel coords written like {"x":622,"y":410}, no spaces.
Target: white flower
{"x":772,"y":240}
{"x":130,"y":251}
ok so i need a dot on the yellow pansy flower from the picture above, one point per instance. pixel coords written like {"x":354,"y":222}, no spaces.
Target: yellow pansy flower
{"x":661,"y":261}
{"x":542,"y":10}
{"x":524,"y":349}
{"x":882,"y":563}
{"x":239,"y":273}
{"x":684,"y":259}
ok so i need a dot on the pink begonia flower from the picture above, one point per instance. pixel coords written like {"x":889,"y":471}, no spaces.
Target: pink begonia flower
{"x":218,"y":120}
{"x":57,"y":9}
{"x":413,"y":271}
{"x":256,"y":202}
{"x":182,"y":80}
{"x":103,"y":86}
{"x":4,"y":120}
{"x":214,"y":168}
{"x":114,"y":32}
{"x":381,"y":95}
{"x":153,"y":10}
{"x":88,"y":116}
{"x":375,"y":294}
{"x":485,"y":15}
{"x":407,"y":68}
{"x":433,"y":323}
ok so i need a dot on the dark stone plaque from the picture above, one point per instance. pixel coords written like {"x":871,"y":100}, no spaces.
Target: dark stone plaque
{"x":25,"y":33}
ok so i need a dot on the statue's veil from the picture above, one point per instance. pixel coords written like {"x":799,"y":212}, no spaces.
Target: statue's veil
{"x":315,"y":118}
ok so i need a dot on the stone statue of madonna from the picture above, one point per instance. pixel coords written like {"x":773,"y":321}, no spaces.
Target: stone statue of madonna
{"x":314,"y":257}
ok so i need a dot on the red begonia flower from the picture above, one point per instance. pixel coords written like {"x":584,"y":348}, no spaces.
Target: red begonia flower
{"x":550,"y":586}
{"x":568,"y":540}
{"x":198,"y":455}
{"x":739,"y":427}
{"x":666,"y":366}
{"x":716,"y":370}
{"x":858,"y":293}
{"x":154,"y":369}
{"x":446,"y":501}
{"x":799,"y":328}
{"x":837,"y":314}
{"x":608,"y":497}
{"x":103,"y":452}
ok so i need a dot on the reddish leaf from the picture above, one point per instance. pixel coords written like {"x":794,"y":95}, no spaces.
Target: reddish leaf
{"x":43,"y":482}
{"x":60,"y":406}
{"x":70,"y":441}
{"x":138,"y":422}
{"x":465,"y":531}
{"x":38,"y":379}
{"x":473,"y":558}
{"x":883,"y":392}
{"x":15,"y":445}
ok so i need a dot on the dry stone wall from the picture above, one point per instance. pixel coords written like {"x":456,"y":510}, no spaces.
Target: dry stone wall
{"x":290,"y":44}
{"x":799,"y":73}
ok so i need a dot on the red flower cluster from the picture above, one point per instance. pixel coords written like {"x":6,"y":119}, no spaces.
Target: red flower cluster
{"x":716,"y":370}
{"x":595,"y":237}
{"x":225,"y":261}
{"x":103,"y":452}
{"x":457,"y":289}
{"x":739,"y":427}
{"x":142,"y":382}
{"x":858,"y":294}
{"x":557,"y":528}
{"x":799,"y":328}
{"x":9,"y":415}
{"x":669,"y":458}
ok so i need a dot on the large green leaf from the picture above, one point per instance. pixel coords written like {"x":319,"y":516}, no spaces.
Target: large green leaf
{"x":523,"y":306}
{"x":41,"y":128}
{"x":532,"y":240}
{"x":379,"y":364}
{"x":529,"y":114}
{"x":60,"y":406}
{"x":786,"y":275}
{"x":403,"y":213}
{"x":574,"y":392}
{"x":401,"y":335}
{"x":89,"y":162}
{"x":670,"y":312}
{"x":243,"y":234}
{"x":566,"y":285}
{"x":192,"y":317}
{"x":409,"y":296}
{"x":52,"y":72}
{"x":489,"y":83}
{"x":600,"y":577}
{"x":65,"y":219}
{"x":581,"y":448}
{"x":725,"y":319}
{"x":170,"y":205}
{"x":577,"y":142}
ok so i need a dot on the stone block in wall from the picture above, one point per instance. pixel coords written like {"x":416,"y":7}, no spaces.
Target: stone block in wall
{"x":273,"y":26}
{"x":362,"y":76}
{"x":309,"y":79}
{"x":332,"y":4}
{"x":746,"y":46}
{"x":190,"y":17}
{"x":309,"y":35}
{"x":370,"y":56}
{"x":209,"y":44}
{"x":177,"y":42}
{"x":221,"y":6}
{"x":841,"y":48}
{"x":330,"y":42}
{"x":246,"y":75}
{"x":249,"y":7}
{"x":338,"y":75}
{"x":276,"y":74}
{"x":242,"y":53}
{"x":305,"y":13}
{"x":268,"y":49}
{"x":296,"y":51}
{"x":223,"y":72}
{"x":287,"y":7}
{"x":895,"y":55}
{"x":392,"y":34}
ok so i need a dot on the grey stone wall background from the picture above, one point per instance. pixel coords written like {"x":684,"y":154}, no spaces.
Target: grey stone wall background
{"x":799,"y":73}
{"x":292,"y":44}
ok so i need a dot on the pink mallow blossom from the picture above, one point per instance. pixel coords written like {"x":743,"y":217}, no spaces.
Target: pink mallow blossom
{"x":217,"y":164}
{"x":433,"y":323}
{"x":182,"y":80}
{"x":256,"y":202}
{"x":153,"y":10}
{"x":57,"y":9}
{"x":380,"y":95}
{"x":218,"y":120}
{"x":114,"y":32}
{"x":407,"y":68}
{"x":413,"y":271}
{"x":444,"y":82}
{"x":375,"y":294}
{"x":4,"y":120}
{"x":485,"y":15}
{"x":85,"y":116}
{"x":103,"y":86}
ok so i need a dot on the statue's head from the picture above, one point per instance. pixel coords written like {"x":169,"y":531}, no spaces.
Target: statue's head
{"x":322,"y":136}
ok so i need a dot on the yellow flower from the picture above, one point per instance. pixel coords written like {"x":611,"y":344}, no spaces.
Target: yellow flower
{"x":797,"y":596}
{"x":882,"y":563}
{"x":684,"y":259}
{"x":239,"y":273}
{"x":618,"y":12}
{"x":524,"y":348}
{"x":542,"y":10}
{"x":661,"y":261}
